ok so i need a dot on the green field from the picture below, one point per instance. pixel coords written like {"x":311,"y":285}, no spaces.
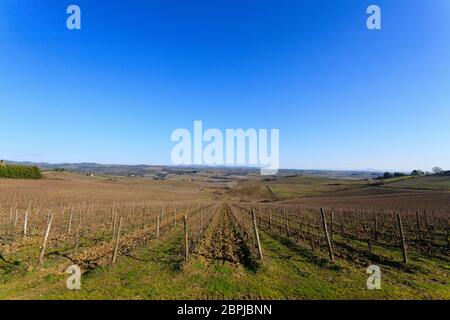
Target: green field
{"x":424,"y":183}
{"x":305,"y":186}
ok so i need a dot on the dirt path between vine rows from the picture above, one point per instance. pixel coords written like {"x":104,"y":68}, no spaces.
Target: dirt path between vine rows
{"x":223,"y":242}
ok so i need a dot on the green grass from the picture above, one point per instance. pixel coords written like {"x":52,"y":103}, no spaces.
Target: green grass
{"x":391,"y":180}
{"x":310,"y":186}
{"x":289,"y":271}
{"x":427,"y":183}
{"x":305,"y":186}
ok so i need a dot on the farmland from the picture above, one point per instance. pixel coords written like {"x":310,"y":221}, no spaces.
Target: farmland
{"x":297,"y":238}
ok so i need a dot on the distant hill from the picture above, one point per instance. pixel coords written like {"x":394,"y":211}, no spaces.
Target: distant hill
{"x":156,"y":171}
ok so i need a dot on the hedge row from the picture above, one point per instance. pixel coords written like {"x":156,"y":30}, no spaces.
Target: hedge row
{"x":20,"y":172}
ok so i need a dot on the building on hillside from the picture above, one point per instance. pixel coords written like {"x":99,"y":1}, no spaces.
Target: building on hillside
{"x":2,"y":163}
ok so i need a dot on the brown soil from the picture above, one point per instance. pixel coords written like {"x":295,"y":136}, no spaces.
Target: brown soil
{"x":223,"y":241}
{"x":250,"y":191}
{"x":413,"y":200}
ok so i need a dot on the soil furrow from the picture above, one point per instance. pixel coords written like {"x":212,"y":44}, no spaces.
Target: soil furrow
{"x":223,"y":241}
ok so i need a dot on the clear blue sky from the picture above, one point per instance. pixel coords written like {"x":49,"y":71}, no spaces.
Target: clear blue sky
{"x":342,"y":96}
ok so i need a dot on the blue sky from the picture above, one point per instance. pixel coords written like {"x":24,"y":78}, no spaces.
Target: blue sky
{"x":343,"y":97}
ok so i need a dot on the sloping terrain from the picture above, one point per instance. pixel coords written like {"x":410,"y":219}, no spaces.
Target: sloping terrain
{"x":220,"y":265}
{"x":423,"y":183}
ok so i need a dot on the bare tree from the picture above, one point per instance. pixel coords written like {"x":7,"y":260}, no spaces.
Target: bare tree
{"x":437,"y":170}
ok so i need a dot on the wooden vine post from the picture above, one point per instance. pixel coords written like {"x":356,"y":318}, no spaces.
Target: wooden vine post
{"x":186,"y":240}
{"x":402,"y":237}
{"x":175,"y":219}
{"x":114,"y":224}
{"x":427,"y":224}
{"x":258,"y":243}
{"x":367,"y":234}
{"x":25,"y":223}
{"x":77,"y":236}
{"x":287,"y":224}
{"x":270,"y":219}
{"x":11,"y":215}
{"x":116,"y":248}
{"x":201,"y":220}
{"x":16,"y":217}
{"x":364,"y":222}
{"x":157,"y":227}
{"x":418,"y":225}
{"x":327,"y":236}
{"x":69,"y":228}
{"x":112,"y":218}
{"x":44,"y":243}
{"x":375,"y":227}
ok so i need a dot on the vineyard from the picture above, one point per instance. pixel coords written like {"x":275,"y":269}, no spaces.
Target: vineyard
{"x":42,"y":232}
{"x":346,"y":233}
{"x":94,"y":234}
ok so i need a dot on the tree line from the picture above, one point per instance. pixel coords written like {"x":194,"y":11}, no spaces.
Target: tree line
{"x":20,"y":172}
{"x":436,"y":171}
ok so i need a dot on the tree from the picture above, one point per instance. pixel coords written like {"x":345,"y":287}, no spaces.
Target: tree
{"x":437,"y":170}
{"x":417,"y":173}
{"x":388,"y":175}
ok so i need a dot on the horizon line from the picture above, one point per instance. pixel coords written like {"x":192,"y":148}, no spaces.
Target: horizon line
{"x":210,"y":166}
